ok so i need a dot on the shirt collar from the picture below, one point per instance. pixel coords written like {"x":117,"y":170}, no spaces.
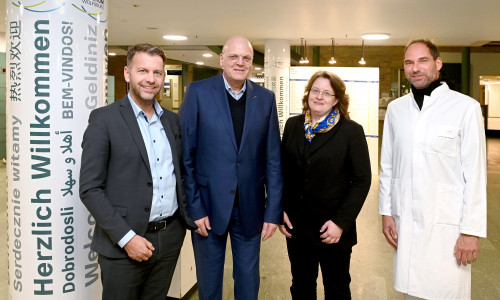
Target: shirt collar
{"x":137,"y":110}
{"x":238,"y":95}
{"x":426,"y":91}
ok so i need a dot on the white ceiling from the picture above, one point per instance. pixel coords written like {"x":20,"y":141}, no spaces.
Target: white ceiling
{"x":210,"y":22}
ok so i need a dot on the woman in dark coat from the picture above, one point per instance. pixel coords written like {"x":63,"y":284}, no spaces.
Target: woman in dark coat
{"x":327,"y":177}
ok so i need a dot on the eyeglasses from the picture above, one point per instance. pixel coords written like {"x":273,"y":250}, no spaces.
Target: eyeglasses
{"x":325,"y":94}
{"x":234,"y":58}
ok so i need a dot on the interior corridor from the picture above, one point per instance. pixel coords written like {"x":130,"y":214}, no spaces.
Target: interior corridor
{"x":371,"y":264}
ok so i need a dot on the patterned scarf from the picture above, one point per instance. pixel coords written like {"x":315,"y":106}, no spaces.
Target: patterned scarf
{"x":324,"y":126}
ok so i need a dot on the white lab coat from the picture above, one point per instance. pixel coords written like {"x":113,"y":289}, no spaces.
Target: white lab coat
{"x":433,"y":182}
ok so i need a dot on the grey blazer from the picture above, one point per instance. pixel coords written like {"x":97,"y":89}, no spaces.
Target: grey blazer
{"x":115,"y":177}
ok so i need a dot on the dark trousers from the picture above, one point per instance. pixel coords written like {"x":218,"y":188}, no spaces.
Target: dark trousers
{"x":304,"y":260}
{"x":209,"y":253}
{"x":124,"y":278}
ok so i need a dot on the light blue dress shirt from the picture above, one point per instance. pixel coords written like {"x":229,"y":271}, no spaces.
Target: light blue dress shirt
{"x":238,"y":95}
{"x":164,"y":202}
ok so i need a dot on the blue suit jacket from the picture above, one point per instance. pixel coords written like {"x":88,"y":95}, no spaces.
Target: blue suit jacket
{"x":215,"y":166}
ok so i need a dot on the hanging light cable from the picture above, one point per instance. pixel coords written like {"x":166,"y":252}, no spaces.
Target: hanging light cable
{"x":332,"y":59}
{"x":306,"y":61}
{"x":362,"y":60}
{"x":301,"y":61}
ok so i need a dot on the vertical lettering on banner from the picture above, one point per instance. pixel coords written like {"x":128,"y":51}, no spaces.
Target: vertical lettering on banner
{"x":56,"y":74}
{"x":277,"y":76}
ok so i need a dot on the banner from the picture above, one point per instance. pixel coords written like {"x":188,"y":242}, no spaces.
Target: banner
{"x":277,"y":76}
{"x":56,"y":65}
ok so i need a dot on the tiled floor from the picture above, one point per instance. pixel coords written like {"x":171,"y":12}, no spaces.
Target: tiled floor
{"x":371,"y":265}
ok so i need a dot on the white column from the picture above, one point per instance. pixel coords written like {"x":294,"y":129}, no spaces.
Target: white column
{"x":56,"y":74}
{"x":277,"y":75}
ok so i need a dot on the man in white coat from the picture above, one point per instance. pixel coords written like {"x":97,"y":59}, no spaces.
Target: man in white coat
{"x":432,"y":182}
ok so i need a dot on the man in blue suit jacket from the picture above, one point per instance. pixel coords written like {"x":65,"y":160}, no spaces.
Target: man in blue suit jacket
{"x":233,"y":181}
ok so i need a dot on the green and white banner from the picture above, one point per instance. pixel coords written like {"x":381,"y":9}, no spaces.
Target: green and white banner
{"x":56,"y":66}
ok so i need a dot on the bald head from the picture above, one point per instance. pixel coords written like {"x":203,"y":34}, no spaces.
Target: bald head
{"x":236,"y":61}
{"x":236,"y":40}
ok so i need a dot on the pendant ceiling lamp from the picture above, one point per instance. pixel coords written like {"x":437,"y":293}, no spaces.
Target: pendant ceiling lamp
{"x":303,"y":46}
{"x":362,"y":60}
{"x":332,"y":59}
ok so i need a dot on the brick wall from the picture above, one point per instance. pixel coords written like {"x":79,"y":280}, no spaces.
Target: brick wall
{"x":385,"y":58}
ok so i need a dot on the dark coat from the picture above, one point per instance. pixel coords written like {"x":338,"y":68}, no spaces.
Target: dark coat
{"x":327,"y":179}
{"x":116,"y":184}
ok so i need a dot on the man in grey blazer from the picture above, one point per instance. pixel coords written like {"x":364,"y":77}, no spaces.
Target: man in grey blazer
{"x":130,"y":181}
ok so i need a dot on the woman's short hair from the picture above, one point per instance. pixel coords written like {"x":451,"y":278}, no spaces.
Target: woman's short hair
{"x":338,"y":87}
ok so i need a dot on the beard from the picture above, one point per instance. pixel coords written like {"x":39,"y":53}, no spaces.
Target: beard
{"x":141,"y":95}
{"x":428,"y":78}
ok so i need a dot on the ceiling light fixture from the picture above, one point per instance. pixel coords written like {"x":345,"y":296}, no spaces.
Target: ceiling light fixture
{"x":362,"y":60}
{"x":111,"y":53}
{"x":200,"y":63}
{"x":207,"y":54}
{"x":175,"y":37}
{"x":332,"y":59}
{"x":303,"y":57}
{"x":301,"y":61}
{"x":375,"y":36}
{"x":257,"y":68}
{"x":306,"y":61}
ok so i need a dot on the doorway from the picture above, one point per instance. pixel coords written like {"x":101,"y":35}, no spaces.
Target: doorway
{"x":490,"y":98}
